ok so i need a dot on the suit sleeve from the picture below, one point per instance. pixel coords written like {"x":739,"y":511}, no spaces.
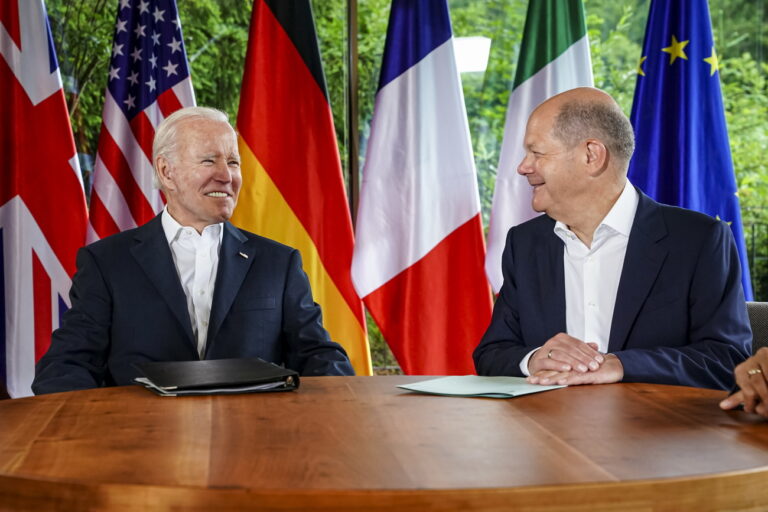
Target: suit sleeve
{"x":77,"y":356}
{"x":309,"y":348}
{"x":719,"y":335}
{"x":501,"y":348}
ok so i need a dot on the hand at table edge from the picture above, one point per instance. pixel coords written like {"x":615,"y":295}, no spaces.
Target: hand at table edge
{"x":610,"y":371}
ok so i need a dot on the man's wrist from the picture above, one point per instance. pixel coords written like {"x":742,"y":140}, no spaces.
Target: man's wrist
{"x":526,"y":361}
{"x":618,"y":366}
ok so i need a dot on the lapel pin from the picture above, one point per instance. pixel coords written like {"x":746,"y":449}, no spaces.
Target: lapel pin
{"x":243,"y":255}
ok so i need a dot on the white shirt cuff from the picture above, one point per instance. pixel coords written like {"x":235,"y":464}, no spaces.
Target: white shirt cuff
{"x":524,"y":362}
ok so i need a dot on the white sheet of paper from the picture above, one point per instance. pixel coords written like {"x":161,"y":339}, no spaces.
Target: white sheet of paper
{"x":476,"y":386}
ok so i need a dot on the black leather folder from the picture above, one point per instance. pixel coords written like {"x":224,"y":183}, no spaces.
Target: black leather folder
{"x":215,"y":376}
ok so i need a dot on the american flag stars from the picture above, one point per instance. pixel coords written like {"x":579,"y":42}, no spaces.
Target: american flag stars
{"x":170,"y":68}
{"x":148,"y":54}
{"x":175,"y":46}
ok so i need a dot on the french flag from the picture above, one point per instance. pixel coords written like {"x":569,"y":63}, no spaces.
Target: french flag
{"x":418,"y":259}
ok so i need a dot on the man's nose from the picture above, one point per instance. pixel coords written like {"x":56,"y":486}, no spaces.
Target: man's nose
{"x":524,"y":167}
{"x":223,"y":173}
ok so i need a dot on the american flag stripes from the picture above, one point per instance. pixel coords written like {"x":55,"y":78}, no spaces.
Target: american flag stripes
{"x":148,"y":80}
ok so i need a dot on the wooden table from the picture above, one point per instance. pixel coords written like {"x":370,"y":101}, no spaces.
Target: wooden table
{"x":345,"y":443}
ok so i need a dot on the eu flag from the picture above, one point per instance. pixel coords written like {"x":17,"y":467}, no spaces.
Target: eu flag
{"x":682,"y":155}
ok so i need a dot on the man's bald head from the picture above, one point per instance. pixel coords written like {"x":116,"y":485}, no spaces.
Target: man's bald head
{"x":588,"y":113}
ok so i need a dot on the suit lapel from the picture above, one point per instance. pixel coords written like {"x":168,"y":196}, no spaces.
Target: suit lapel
{"x":551,"y":275}
{"x":642,"y":263}
{"x":235,"y":258}
{"x":153,"y":255}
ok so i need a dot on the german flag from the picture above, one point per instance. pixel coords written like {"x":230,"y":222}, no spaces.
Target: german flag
{"x":293,"y":189}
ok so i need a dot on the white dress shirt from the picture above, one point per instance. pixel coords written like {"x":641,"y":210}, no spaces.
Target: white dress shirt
{"x":196,"y":257}
{"x":592,"y":273}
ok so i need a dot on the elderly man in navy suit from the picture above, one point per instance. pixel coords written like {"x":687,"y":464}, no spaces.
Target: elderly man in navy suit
{"x":609,"y":285}
{"x":187,"y":285}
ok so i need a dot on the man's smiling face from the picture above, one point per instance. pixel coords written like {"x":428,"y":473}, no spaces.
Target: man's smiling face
{"x":553,"y":170}
{"x":201,"y":179}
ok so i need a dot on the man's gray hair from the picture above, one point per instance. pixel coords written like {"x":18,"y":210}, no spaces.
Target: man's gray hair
{"x":166,"y":142}
{"x":580,"y":120}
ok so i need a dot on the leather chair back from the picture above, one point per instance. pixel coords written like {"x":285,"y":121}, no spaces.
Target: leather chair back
{"x":758,"y":319}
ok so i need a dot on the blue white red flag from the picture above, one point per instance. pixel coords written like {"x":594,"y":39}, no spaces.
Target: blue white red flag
{"x":418,"y":259}
{"x":148,"y":80}
{"x":42,"y":206}
{"x":682,"y":155}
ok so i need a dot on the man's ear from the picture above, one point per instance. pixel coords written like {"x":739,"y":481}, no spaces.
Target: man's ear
{"x":165,"y":173}
{"x":597,"y":156}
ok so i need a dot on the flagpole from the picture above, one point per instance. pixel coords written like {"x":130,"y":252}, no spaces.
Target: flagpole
{"x":353,"y":128}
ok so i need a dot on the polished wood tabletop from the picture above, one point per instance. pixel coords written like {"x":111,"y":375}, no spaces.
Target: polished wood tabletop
{"x":346,"y":443}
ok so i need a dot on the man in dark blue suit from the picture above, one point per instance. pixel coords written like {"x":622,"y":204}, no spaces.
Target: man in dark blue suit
{"x":187,"y":285}
{"x":610,"y":285}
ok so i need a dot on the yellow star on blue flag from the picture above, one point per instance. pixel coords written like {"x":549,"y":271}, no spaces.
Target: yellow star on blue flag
{"x":676,"y":49}
{"x":682,"y":155}
{"x":713,"y":62}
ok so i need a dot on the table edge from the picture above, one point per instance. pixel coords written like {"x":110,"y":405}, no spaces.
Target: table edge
{"x":734,"y":490}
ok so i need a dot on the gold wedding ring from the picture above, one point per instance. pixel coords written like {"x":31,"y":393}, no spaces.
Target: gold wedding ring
{"x":549,"y":355}
{"x":753,"y":371}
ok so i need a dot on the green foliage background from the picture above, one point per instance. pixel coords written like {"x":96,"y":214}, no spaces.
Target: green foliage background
{"x":216,"y":35}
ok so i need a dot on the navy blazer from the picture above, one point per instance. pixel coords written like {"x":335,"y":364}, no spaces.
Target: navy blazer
{"x":128,"y":306}
{"x":680,"y":315}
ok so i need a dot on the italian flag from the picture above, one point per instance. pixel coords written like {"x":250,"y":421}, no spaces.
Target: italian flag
{"x":554,"y":57}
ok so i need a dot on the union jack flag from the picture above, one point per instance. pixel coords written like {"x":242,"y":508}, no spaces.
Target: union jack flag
{"x":148,"y":80}
{"x":42,"y":206}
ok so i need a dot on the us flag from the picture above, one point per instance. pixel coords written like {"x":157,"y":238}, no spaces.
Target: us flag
{"x":148,"y":80}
